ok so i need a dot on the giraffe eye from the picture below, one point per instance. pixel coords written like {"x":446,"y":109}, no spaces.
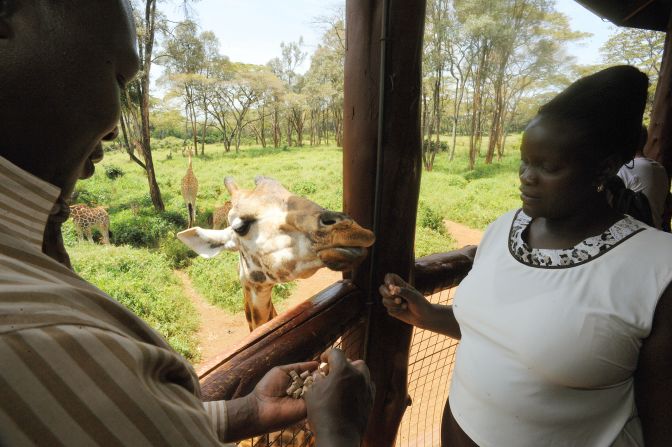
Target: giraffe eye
{"x":242,"y":227}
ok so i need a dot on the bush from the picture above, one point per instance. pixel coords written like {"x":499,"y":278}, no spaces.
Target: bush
{"x":177,"y":254}
{"x":428,"y":241}
{"x":145,"y":284}
{"x":143,"y":230}
{"x":432,"y":146}
{"x":428,"y":218}
{"x":113,"y":172}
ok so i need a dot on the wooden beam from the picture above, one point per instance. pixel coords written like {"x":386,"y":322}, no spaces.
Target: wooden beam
{"x":384,"y":132}
{"x":636,"y":9}
{"x":297,"y":335}
{"x":659,"y":144}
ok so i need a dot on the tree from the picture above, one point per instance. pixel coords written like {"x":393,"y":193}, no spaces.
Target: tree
{"x":284,"y":67}
{"x":185,"y":61}
{"x":638,"y":47}
{"x":147,"y":20}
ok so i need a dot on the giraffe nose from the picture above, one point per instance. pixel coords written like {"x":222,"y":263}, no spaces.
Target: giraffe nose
{"x":331,"y":218}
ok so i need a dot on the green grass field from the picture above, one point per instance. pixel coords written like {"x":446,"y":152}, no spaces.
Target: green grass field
{"x":138,"y":271}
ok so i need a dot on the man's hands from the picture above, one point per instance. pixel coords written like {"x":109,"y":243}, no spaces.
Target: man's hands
{"x":267,"y":408}
{"x":404,"y":302}
{"x":339,"y":404}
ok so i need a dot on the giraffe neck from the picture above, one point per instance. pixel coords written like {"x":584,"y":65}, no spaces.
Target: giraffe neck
{"x":259,"y":308}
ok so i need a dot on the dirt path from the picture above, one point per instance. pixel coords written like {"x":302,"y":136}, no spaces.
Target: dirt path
{"x":463,"y":234}
{"x":220,"y":329}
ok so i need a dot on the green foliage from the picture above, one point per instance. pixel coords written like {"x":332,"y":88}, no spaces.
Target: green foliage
{"x":304,"y":188}
{"x":217,"y":280}
{"x":177,"y":254}
{"x":428,"y":241}
{"x":113,"y":172}
{"x":431,"y":219}
{"x":144,"y":283}
{"x":141,"y":230}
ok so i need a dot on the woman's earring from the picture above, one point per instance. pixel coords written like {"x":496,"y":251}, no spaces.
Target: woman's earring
{"x":600,"y":187}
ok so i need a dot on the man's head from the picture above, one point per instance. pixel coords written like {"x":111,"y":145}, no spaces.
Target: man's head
{"x":62,"y":65}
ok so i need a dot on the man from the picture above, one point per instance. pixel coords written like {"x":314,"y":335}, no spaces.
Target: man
{"x":77,"y":368}
{"x":649,"y":177}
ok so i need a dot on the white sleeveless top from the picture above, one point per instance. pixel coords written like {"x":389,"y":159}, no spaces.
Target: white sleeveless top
{"x":551,"y":338}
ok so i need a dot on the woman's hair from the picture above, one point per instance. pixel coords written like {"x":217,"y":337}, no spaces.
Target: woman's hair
{"x":605,"y":110}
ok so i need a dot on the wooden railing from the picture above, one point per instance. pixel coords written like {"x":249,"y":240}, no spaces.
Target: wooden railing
{"x":307,"y":329}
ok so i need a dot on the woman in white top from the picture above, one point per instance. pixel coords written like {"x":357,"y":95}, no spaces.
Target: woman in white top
{"x":565,"y":319}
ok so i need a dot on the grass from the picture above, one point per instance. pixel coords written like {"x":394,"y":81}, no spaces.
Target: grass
{"x":139,"y":272}
{"x":143,"y":282}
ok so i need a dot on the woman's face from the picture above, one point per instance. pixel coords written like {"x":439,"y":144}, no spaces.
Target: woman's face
{"x":555,"y":181}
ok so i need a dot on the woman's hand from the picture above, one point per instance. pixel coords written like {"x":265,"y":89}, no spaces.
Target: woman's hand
{"x":404,"y":302}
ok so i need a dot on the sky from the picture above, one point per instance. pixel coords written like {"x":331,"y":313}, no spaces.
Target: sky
{"x":251,"y":30}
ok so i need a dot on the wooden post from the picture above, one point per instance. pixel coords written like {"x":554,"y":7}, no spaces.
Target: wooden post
{"x":659,"y":145}
{"x":391,"y":172}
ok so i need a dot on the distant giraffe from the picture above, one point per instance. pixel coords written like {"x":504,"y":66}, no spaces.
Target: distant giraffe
{"x":86,"y":219}
{"x":280,"y":237}
{"x":220,"y":216}
{"x":189,"y":192}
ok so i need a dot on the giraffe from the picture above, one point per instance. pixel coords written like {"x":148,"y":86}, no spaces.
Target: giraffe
{"x":86,"y":219}
{"x":189,"y":192}
{"x":220,"y":216}
{"x":279,"y":237}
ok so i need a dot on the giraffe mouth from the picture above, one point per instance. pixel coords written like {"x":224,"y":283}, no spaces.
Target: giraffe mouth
{"x":342,"y":258}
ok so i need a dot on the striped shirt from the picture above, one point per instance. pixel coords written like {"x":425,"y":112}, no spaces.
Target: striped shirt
{"x":76,"y":367}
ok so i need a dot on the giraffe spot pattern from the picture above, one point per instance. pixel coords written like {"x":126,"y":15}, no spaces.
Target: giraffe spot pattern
{"x":258,"y":276}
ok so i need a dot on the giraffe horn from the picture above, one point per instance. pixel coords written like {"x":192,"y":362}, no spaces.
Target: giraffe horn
{"x":230,"y":185}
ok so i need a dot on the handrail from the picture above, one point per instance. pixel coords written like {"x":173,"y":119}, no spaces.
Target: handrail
{"x":305,"y":330}
{"x":301,"y":333}
{"x":442,"y":271}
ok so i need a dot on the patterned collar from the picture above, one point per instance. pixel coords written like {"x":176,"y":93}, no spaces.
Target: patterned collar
{"x":25,"y":203}
{"x":583,"y":252}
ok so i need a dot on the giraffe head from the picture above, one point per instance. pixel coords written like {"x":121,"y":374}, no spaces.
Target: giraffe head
{"x":280,"y":237}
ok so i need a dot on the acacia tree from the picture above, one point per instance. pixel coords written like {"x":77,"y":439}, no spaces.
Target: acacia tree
{"x":323,"y":83}
{"x":284,"y":67}
{"x":185,"y":61}
{"x":148,"y":20}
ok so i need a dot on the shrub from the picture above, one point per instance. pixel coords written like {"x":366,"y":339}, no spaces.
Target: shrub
{"x":177,"y":254}
{"x":113,"y":172}
{"x":432,"y":146}
{"x":143,"y":230}
{"x":145,"y":284}
{"x":428,"y":241}
{"x":428,"y":218}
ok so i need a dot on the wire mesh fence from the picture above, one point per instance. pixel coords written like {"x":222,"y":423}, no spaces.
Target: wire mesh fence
{"x":430,"y":365}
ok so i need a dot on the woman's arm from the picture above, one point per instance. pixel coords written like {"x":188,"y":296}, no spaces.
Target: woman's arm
{"x":410,"y":306}
{"x":653,"y":378}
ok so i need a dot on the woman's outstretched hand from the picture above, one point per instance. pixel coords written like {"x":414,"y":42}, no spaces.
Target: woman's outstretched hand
{"x":404,"y":302}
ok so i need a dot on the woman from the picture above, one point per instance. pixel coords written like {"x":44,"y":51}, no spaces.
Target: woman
{"x":565,"y":319}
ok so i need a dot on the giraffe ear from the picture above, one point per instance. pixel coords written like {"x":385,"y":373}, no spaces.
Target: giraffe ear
{"x":208,"y":243}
